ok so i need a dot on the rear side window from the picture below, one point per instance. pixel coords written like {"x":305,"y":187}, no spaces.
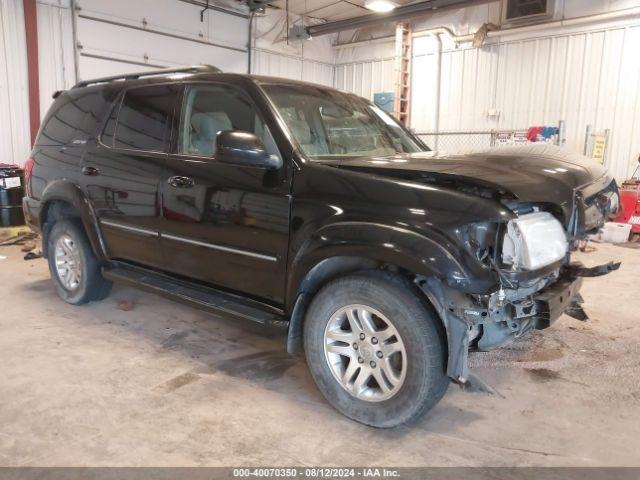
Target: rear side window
{"x":143,"y":119}
{"x":72,"y":119}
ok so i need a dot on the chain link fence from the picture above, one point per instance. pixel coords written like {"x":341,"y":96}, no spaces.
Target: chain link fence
{"x":454,"y":142}
{"x":461,"y":141}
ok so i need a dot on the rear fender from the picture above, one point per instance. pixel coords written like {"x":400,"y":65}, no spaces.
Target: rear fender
{"x":65,"y":191}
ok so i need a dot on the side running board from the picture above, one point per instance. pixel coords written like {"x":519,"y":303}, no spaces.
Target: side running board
{"x":195,"y":295}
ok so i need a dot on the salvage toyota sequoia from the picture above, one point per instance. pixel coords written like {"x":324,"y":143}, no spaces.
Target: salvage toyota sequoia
{"x":298,"y":206}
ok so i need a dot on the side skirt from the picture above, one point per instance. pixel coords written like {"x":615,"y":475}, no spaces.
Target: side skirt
{"x":195,"y":295}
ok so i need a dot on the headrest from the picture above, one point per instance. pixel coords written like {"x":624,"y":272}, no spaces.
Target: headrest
{"x":301,"y":131}
{"x":209,"y":124}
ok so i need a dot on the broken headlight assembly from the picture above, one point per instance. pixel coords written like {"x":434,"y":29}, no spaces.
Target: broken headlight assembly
{"x":533,"y":241}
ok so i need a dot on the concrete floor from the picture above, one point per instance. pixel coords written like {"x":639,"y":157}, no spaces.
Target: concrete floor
{"x":163,"y":384}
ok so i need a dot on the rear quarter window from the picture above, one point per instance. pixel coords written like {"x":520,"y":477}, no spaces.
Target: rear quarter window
{"x":142,"y":121}
{"x":73,"y":118}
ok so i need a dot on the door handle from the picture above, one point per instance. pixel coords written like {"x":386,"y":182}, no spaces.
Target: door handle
{"x":91,"y":171}
{"x":181,"y":182}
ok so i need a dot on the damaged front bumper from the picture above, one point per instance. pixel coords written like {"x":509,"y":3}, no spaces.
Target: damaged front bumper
{"x":490,"y":321}
{"x":535,"y":312}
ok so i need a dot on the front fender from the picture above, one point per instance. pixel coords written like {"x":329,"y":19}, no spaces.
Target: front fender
{"x":420,"y":254}
{"x":64,"y":191}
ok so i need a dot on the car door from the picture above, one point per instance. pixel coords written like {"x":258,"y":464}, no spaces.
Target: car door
{"x":224,"y":224}
{"x":122,"y":173}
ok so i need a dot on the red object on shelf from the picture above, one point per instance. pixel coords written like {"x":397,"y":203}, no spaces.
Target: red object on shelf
{"x":533,"y":132}
{"x":630,"y":202}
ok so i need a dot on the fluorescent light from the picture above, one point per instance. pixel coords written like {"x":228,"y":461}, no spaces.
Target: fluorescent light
{"x":380,"y":6}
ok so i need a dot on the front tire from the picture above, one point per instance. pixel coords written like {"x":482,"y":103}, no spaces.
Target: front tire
{"x":375,"y":349}
{"x":74,"y":268}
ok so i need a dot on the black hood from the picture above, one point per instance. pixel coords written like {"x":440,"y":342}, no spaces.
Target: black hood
{"x":535,"y":173}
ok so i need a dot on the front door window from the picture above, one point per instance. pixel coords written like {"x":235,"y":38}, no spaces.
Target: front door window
{"x":211,"y":109}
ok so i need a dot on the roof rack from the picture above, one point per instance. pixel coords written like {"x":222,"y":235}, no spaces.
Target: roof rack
{"x":150,"y":73}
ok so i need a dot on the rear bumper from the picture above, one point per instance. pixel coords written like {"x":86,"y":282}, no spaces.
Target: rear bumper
{"x":31,"y":208}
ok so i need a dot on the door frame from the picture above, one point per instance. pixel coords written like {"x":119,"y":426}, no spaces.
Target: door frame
{"x":284,"y":175}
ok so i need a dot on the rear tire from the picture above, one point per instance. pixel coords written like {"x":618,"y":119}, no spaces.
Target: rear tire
{"x":414,"y":377}
{"x":74,"y":268}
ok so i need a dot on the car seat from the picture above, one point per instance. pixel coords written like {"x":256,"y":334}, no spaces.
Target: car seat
{"x":305,"y":137}
{"x":206,"y":127}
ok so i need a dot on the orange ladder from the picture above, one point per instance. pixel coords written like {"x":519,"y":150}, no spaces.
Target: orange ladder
{"x":402,"y":98}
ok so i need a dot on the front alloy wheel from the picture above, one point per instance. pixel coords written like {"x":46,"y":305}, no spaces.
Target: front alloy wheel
{"x":375,"y":348}
{"x":365,"y":353}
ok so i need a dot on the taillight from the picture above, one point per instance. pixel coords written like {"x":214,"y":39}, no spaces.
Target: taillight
{"x":28,"y":171}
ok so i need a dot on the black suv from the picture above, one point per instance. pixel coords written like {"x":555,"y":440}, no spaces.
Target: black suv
{"x":294,"y":204}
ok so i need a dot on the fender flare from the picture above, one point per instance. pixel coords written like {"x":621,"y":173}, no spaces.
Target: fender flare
{"x":63,"y":190}
{"x":374,"y":244}
{"x":387,"y":244}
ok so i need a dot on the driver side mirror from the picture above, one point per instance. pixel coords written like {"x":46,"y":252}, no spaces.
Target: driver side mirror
{"x":244,"y":148}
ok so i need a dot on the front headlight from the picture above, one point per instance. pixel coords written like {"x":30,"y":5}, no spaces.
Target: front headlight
{"x":533,"y":241}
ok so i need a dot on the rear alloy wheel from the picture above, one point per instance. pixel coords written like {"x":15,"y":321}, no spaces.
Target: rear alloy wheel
{"x":74,"y":268}
{"x":68,"y":262}
{"x":376,"y":349}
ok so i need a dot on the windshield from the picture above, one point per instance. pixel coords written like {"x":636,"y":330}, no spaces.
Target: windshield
{"x":330,"y":124}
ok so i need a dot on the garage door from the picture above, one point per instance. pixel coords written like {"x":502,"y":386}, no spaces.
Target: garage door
{"x":122,"y":36}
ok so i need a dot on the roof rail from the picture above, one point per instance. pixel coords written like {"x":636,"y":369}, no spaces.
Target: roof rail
{"x":150,"y":73}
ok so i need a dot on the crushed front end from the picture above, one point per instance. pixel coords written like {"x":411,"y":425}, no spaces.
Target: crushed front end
{"x":536,"y":281}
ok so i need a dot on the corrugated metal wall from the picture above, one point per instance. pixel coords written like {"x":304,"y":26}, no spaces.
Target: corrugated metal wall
{"x":265,"y":62}
{"x":588,"y":77}
{"x":14,"y":107}
{"x":365,"y":77}
{"x":273,"y":54}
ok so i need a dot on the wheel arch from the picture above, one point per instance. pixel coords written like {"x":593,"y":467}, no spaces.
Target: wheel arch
{"x":346,"y":248}
{"x":62,"y":199}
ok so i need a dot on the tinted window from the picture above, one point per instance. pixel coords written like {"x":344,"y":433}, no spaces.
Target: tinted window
{"x":72,"y":118}
{"x":143,"y":118}
{"x":211,"y":109}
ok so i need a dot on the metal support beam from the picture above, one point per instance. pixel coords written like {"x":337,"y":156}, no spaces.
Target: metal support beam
{"x":401,"y":13}
{"x":203,"y":3}
{"x":33,"y":75}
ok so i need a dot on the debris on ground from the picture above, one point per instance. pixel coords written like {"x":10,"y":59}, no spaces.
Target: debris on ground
{"x":20,"y":238}
{"x":6,"y":232}
{"x":583,"y":246}
{"x":33,"y":255}
{"x":542,"y":374}
{"x":475,"y":384}
{"x":632,"y":245}
{"x":25,"y":238}
{"x":125,"y":305}
{"x":28,"y":246}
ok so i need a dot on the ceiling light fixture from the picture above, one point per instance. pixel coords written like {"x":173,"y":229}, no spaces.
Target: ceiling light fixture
{"x":379,"y":6}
